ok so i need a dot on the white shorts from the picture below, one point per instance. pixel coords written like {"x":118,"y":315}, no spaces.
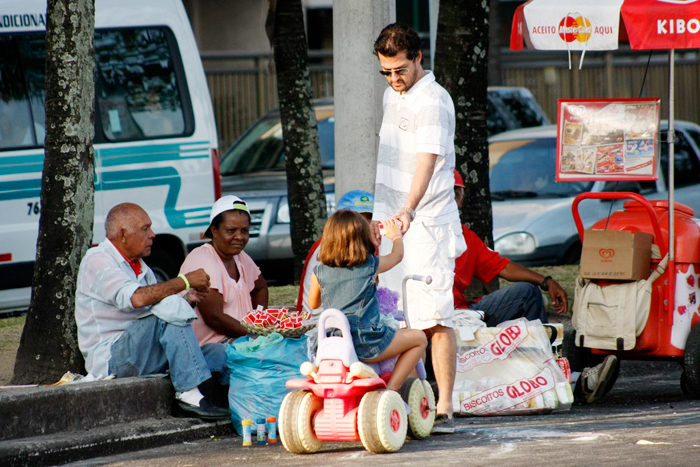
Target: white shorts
{"x":428,"y":250}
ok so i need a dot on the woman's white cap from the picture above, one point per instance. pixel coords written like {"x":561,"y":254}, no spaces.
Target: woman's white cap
{"x":223,"y":204}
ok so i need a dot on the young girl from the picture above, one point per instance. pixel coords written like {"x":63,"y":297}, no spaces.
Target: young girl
{"x":346,"y":280}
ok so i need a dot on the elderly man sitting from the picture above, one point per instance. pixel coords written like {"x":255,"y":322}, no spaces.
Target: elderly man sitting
{"x":129,"y":325}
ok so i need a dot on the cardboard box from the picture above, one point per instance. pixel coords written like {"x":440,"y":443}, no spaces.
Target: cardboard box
{"x":616,"y":255}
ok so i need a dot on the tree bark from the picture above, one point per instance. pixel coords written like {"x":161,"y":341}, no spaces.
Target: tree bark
{"x":307,"y":200}
{"x":48,"y":346}
{"x":461,"y":66}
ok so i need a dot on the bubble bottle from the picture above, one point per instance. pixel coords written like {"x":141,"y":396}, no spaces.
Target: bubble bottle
{"x":247,"y":440}
{"x":271,"y":429}
{"x":261,"y":430}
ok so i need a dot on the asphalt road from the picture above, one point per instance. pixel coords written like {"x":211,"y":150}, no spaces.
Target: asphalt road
{"x":644,"y":421}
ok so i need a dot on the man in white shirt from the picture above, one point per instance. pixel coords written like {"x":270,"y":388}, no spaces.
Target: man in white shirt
{"x":415,"y":164}
{"x":129,"y":325}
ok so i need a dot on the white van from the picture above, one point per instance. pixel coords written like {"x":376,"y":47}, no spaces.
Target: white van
{"x":155,"y":134}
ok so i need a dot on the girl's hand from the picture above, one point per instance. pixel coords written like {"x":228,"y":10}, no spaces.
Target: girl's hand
{"x":392,"y":229}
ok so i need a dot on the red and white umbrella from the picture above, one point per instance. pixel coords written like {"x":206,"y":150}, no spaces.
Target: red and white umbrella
{"x":600,"y":25}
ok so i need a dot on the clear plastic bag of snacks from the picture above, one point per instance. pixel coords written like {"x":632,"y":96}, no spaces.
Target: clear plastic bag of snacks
{"x":511,"y":370}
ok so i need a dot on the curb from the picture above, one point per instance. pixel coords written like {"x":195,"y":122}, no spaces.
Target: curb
{"x":53,"y":425}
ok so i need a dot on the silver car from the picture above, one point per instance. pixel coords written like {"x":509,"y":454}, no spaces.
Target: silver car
{"x":532,"y":219}
{"x":253,"y":168}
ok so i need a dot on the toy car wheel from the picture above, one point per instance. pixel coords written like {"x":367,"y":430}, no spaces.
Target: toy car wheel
{"x":309,"y":406}
{"x":382,"y":421}
{"x":421,"y":418}
{"x":691,"y":364}
{"x":288,"y":422}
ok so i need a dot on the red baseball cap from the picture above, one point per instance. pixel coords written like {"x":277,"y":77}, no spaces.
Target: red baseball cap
{"x":458,"y":179}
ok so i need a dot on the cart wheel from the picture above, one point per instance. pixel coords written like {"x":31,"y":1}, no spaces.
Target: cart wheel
{"x":381,"y":421}
{"x":291,"y":412}
{"x":579,"y":357}
{"x":421,"y":418}
{"x":684,"y":384}
{"x":691,"y":362}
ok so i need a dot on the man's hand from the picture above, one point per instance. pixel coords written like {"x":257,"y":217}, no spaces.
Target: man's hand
{"x":557,"y":294}
{"x":195,"y":296}
{"x":152,"y":294}
{"x":198,"y":279}
{"x":405,"y":218}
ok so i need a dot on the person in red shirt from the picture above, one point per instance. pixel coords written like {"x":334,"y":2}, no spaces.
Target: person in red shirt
{"x":522,"y":299}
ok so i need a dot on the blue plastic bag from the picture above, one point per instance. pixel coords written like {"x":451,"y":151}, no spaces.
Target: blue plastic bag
{"x":258,"y":377}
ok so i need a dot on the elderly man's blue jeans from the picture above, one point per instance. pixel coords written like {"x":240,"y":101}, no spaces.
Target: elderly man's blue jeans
{"x":518,"y":300}
{"x":150,"y":346}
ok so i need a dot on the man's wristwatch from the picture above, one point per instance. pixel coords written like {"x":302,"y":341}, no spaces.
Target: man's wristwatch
{"x":544,"y":285}
{"x":411,"y":212}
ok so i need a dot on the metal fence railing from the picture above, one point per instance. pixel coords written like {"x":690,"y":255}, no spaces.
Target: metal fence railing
{"x":243,"y":86}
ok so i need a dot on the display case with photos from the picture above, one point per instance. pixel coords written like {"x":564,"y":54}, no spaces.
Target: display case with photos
{"x":607,"y":139}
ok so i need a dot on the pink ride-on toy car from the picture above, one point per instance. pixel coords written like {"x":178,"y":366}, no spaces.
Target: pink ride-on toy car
{"x":344,"y":400}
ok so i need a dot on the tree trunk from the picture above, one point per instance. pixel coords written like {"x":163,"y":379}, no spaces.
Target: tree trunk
{"x":461,"y":66}
{"x":48,"y":347}
{"x":307,"y":200}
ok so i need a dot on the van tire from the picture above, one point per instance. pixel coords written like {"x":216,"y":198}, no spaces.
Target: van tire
{"x":162,"y":264}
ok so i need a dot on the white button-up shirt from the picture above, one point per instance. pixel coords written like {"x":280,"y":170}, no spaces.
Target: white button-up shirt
{"x":103,"y":307}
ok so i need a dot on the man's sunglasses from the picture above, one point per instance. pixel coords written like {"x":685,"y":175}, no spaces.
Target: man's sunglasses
{"x":398,"y":71}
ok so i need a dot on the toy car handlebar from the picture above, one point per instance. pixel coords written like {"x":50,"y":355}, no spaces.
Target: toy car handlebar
{"x":620,"y":195}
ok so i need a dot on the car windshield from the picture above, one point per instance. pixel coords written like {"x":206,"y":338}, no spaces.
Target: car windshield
{"x":525,"y":169}
{"x":261,"y":147}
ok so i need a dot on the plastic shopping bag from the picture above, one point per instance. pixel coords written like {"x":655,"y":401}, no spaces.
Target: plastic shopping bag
{"x":260,"y":367}
{"x":509,"y":370}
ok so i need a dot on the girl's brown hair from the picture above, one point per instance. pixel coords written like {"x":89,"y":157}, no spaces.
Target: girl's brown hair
{"x":346,"y":240}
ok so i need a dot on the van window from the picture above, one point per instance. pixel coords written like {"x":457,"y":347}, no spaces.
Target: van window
{"x":141,"y":90}
{"x":138,"y":93}
{"x":22,"y":122}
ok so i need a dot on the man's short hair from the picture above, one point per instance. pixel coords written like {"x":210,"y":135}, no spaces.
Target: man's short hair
{"x":118,"y":218}
{"x":395,"y":38}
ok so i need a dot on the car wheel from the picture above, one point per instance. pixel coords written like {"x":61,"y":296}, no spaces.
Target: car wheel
{"x":162,"y":265}
{"x":573,"y":254}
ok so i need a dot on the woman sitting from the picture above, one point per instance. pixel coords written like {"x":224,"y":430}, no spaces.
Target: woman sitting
{"x":237,"y":287}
